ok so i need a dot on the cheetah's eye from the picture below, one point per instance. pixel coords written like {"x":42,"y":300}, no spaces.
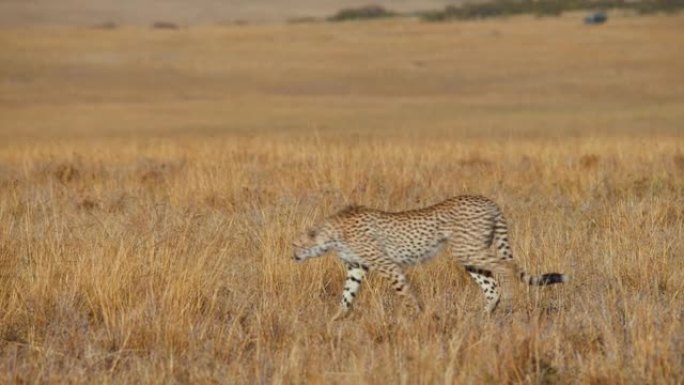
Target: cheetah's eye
{"x":311,"y":234}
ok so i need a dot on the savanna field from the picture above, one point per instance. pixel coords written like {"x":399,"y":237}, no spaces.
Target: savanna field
{"x":151,"y":182}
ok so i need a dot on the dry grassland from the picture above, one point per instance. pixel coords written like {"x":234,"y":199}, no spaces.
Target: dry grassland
{"x":151,"y":182}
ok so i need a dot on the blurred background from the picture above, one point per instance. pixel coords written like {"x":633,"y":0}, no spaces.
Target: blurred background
{"x":144,"y":12}
{"x":163,"y":67}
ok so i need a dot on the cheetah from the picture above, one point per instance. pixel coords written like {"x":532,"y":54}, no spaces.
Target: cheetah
{"x":473,"y":228}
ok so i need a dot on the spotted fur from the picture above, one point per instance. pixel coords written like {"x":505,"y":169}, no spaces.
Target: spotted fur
{"x":365,"y":240}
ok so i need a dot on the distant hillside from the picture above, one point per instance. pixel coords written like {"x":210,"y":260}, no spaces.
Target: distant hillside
{"x":183,"y":12}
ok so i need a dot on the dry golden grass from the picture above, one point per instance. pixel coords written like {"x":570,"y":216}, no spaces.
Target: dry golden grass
{"x":151,"y":182}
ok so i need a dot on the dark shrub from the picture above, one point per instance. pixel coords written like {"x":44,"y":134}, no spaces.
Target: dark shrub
{"x":495,"y":8}
{"x":361,"y":13}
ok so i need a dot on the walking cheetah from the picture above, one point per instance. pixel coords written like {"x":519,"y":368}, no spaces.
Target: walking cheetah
{"x":367,"y":239}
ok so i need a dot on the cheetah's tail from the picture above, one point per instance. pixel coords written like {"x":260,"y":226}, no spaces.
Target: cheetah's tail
{"x":510,"y":268}
{"x":544,"y":279}
{"x":506,"y":264}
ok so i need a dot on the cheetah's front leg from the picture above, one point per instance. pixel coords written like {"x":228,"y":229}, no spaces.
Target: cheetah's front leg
{"x":400,"y":284}
{"x":355,"y":274}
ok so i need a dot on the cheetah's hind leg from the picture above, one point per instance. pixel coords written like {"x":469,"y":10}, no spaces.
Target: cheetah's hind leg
{"x":490,"y":287}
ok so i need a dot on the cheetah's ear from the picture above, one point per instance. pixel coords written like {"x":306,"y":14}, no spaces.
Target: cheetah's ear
{"x":311,"y":233}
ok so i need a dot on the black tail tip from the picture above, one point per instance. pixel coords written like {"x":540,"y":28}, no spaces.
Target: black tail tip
{"x":551,"y":278}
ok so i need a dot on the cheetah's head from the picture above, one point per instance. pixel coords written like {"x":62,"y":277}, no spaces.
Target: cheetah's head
{"x":313,"y":243}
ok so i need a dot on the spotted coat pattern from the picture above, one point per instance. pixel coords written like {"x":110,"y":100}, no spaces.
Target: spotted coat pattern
{"x":473,"y":228}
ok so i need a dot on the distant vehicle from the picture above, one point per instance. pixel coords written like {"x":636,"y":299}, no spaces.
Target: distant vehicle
{"x":596,"y":18}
